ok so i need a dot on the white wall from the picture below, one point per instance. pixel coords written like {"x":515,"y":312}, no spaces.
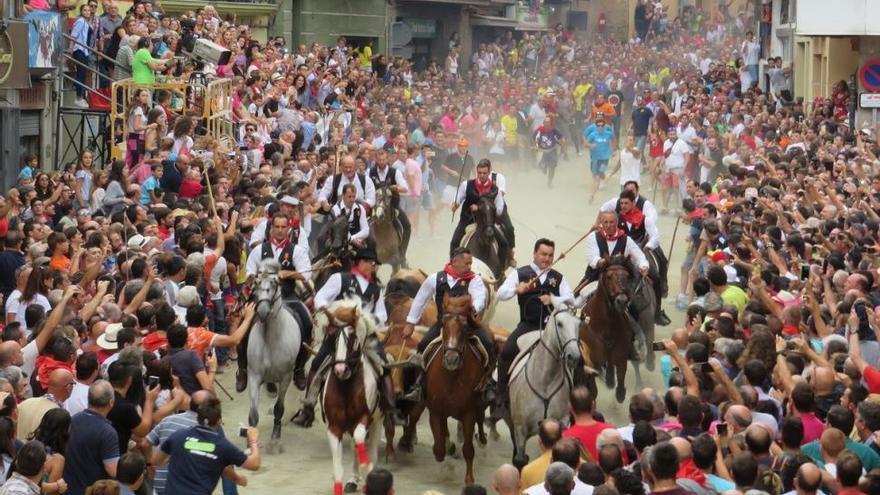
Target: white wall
{"x":838,"y":17}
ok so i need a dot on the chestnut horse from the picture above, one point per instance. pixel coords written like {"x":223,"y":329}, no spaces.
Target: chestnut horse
{"x":351,"y":394}
{"x":454,"y":373}
{"x":609,"y":334}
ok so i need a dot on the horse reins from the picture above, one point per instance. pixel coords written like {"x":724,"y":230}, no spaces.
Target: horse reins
{"x":566,"y":378}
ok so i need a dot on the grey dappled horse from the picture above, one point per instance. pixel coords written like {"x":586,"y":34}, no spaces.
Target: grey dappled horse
{"x":540,"y":387}
{"x":274,"y":343}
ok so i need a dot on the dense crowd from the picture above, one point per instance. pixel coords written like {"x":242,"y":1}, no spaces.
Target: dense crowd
{"x":119,"y":283}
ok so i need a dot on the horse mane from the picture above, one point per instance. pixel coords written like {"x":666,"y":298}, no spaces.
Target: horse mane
{"x":619,"y":260}
{"x":405,"y":286}
{"x":364,"y":323}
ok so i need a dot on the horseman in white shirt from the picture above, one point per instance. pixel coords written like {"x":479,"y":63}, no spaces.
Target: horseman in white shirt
{"x":355,"y":212}
{"x":332,"y":190}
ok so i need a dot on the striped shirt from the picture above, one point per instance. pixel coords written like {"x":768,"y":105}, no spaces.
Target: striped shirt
{"x":160,"y":433}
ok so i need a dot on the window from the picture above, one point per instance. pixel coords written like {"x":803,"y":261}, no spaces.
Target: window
{"x":784,"y":11}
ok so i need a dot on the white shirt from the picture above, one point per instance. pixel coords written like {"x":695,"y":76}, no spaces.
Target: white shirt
{"x":21,"y":306}
{"x":632,"y":251}
{"x":751,"y":51}
{"x":537,"y":115}
{"x":398,"y":177}
{"x":331,"y":289}
{"x":676,"y":159}
{"x":78,"y":400}
{"x":500,"y":180}
{"x":630,"y":167}
{"x":301,"y":261}
{"x":462,"y":193}
{"x":580,"y":488}
{"x":305,"y":230}
{"x":650,"y":213}
{"x":476,"y":289}
{"x":367,"y":194}
{"x":508,"y":288}
{"x":340,"y":209}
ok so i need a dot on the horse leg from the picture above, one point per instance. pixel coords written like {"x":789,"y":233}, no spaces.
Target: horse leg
{"x":481,"y":433}
{"x":373,"y":443}
{"x":254,"y":380}
{"x":336,"y":451}
{"x":609,"y":374}
{"x":409,"y":432}
{"x":438,"y":429}
{"x":520,"y":437}
{"x":278,"y":410}
{"x":621,"y":380}
{"x":468,"y":447}
{"x":389,"y":439}
{"x":362,"y":455}
{"x":638,"y":370}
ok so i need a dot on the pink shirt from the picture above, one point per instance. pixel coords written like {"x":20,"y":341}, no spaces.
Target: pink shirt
{"x":413,"y":173}
{"x":142,"y":172}
{"x":813,"y":427}
{"x":38,"y":4}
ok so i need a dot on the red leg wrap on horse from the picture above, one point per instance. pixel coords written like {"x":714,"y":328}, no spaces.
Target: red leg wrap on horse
{"x":337,"y":488}
{"x":361,"y":449}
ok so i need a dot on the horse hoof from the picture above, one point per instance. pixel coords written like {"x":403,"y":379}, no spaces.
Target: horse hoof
{"x":519,"y":462}
{"x":276,"y":432}
{"x":450,"y":450}
{"x":482,"y":440}
{"x":405,"y":446}
{"x":620,"y":395}
{"x":649,"y":364}
{"x":350,"y":487}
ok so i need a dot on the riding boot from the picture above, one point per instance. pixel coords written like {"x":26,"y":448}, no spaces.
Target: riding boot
{"x":501,"y":409}
{"x":415,"y":393}
{"x":299,"y":374}
{"x":306,"y":414}
{"x":660,"y":317}
{"x":241,"y":376}
{"x":391,"y":409}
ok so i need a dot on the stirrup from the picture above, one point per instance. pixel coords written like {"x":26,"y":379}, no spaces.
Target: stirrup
{"x":304,"y":417}
{"x":414,"y":394}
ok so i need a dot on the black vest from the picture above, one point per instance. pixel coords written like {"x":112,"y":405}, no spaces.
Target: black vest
{"x":285,"y":259}
{"x":354,"y":221}
{"x":638,"y":233}
{"x":351,"y":287}
{"x":337,"y":179}
{"x":459,"y":289}
{"x":530,"y":308}
{"x":389,"y":181}
{"x":619,"y":249}
{"x":472,"y":197}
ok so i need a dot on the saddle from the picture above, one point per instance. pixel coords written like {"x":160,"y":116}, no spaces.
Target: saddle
{"x":471,"y":230}
{"x":473,"y":344}
{"x":526,"y":343}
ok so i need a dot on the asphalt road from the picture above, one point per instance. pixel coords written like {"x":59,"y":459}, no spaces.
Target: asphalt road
{"x":562,"y":213}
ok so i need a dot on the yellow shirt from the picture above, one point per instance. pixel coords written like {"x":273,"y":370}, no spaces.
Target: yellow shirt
{"x":580,"y":91}
{"x":366,"y":57}
{"x":533,"y":472}
{"x":509,"y":126}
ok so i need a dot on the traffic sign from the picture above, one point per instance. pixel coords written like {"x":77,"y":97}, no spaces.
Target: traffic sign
{"x":869,"y":100}
{"x":869,"y":75}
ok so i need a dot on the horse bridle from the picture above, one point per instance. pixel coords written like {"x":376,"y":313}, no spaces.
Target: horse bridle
{"x":566,"y":376}
{"x":463,"y":319}
{"x":350,"y":343}
{"x":276,"y":292}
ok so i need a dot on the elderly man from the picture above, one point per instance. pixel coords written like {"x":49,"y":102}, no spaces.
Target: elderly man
{"x":31,"y":411}
{"x":506,"y":480}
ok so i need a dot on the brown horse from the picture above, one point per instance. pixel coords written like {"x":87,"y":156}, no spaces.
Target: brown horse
{"x":608,"y":335}
{"x":351,"y":394}
{"x":454,"y":372}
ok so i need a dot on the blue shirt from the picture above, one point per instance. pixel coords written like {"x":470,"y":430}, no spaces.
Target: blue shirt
{"x":93,"y":441}
{"x":720,"y":485}
{"x":198,"y":457}
{"x":150,"y":184}
{"x":309,"y":130}
{"x":602,"y":139}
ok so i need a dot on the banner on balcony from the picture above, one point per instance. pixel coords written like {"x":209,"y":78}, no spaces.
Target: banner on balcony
{"x":537,"y":18}
{"x":14,"y":73}
{"x":44,"y":43}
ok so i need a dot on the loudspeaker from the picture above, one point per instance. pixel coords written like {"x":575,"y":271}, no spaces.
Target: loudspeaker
{"x":577,"y":19}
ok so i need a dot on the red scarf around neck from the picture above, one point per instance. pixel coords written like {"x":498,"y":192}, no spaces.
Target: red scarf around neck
{"x":634,"y":216}
{"x":458,"y":276}
{"x":279,"y":245}
{"x":612,"y":237}
{"x":483,"y":188}
{"x":357,"y":271}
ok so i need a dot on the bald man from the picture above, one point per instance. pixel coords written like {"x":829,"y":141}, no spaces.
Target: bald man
{"x":738,"y":418}
{"x":549,"y":432}
{"x":31,"y":411}
{"x":808,"y":479}
{"x":686,"y":460}
{"x":506,"y":480}
{"x":10,"y":354}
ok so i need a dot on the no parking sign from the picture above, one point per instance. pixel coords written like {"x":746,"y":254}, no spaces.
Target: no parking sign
{"x":869,"y":75}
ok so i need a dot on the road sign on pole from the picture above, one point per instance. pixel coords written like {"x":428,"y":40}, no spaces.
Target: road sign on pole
{"x":869,"y":75}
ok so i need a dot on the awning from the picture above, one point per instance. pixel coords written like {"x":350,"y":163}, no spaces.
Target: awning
{"x":504,"y":22}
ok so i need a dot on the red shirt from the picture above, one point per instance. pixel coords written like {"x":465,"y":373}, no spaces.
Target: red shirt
{"x":587,"y":435}
{"x":154,"y":341}
{"x":190,"y":189}
{"x":872,"y":378}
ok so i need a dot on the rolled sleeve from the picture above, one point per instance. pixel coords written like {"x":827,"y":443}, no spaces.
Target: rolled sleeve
{"x":426,"y":292}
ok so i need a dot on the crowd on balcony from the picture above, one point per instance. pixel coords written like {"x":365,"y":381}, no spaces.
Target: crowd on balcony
{"x":113,"y":273}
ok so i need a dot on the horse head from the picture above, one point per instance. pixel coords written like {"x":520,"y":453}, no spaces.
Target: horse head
{"x":336,"y":234}
{"x":616,"y":280}
{"x":266,"y":287}
{"x":564,"y":336}
{"x":485,"y":216}
{"x":383,"y":209}
{"x":344,"y":320}
{"x":457,"y":321}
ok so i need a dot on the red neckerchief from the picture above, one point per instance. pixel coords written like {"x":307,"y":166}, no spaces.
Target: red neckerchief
{"x":458,"y":276}
{"x":279,"y":245}
{"x":634,"y":216}
{"x":357,"y":271}
{"x":483,"y":188}
{"x":613,"y":237}
{"x":688,"y":469}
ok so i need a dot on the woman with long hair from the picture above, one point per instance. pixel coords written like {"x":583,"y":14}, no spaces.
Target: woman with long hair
{"x":157,"y":126}
{"x":137,"y":126}
{"x":117,"y":184}
{"x":44,"y":186}
{"x":7,"y":447}
{"x":35,"y":290}
{"x":84,"y":179}
{"x":99,"y":191}
{"x":54,"y":432}
{"x":183,"y":142}
{"x":301,"y":88}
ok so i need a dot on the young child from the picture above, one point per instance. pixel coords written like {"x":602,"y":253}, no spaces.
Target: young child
{"x":150,"y":193}
{"x":28,"y":170}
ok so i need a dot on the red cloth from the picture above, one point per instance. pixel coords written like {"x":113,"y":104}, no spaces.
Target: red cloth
{"x":634,"y":216}
{"x":154,"y":341}
{"x":790,"y":330}
{"x":356,"y":271}
{"x":872,"y":378}
{"x":687,"y":469}
{"x":483,"y":188}
{"x":587,"y":435}
{"x":279,"y":245}
{"x":190,"y":189}
{"x":48,"y":364}
{"x":458,"y":276}
{"x":612,"y":237}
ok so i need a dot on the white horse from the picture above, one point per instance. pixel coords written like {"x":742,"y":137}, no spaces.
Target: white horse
{"x":542,"y":378}
{"x":350,"y":399}
{"x":273,"y":344}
